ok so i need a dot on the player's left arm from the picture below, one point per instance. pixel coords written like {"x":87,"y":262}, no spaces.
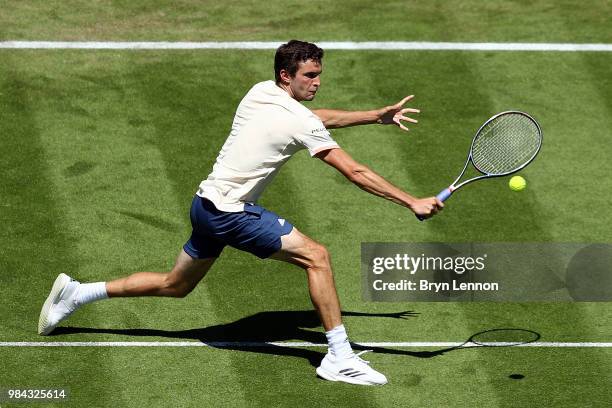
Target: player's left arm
{"x":389,"y":115}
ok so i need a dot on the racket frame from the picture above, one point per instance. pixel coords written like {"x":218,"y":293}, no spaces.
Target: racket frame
{"x":444,"y":194}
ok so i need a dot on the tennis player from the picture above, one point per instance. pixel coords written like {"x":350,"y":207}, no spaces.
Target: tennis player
{"x":270,"y":126}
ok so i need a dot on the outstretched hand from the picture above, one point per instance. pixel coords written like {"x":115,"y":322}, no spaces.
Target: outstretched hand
{"x":394,"y":114}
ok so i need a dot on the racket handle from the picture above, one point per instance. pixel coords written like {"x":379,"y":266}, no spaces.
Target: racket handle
{"x":442,"y":196}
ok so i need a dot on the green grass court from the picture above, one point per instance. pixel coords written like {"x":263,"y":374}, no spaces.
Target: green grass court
{"x":102,"y":152}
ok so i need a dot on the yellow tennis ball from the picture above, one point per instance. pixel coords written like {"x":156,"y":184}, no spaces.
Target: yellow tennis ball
{"x":517,"y":183}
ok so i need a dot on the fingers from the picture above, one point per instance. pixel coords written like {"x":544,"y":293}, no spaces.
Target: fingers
{"x":407,"y":119}
{"x":396,"y":114}
{"x":401,"y":126}
{"x":437,"y":205}
{"x":400,"y":114}
{"x":399,"y":118}
{"x":430,"y":207}
{"x":403,"y":101}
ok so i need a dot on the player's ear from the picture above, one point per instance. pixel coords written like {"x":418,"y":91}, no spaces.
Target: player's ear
{"x":285,"y":76}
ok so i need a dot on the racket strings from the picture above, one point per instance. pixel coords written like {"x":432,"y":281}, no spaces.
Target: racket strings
{"x":501,"y":146}
{"x":505,"y":144}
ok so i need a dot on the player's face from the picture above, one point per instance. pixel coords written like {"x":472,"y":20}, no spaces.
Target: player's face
{"x":306,"y":81}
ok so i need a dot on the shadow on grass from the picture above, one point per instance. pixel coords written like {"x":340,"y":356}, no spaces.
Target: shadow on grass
{"x":256,"y":333}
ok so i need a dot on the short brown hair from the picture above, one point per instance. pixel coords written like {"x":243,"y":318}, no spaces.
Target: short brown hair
{"x":288,"y":56}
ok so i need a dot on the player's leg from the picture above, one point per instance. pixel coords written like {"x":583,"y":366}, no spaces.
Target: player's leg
{"x":192,"y":263}
{"x":179,"y":282}
{"x":266,"y":235}
{"x":314,"y":258}
{"x":340,"y":363}
{"x":67,"y":295}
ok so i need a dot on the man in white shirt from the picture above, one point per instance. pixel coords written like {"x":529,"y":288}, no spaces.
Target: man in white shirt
{"x":270,"y":126}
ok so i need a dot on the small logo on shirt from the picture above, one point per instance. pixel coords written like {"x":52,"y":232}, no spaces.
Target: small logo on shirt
{"x":318,"y":130}
{"x":281,"y":221}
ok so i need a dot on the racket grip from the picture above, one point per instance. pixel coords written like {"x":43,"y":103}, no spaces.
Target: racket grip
{"x":442,"y":196}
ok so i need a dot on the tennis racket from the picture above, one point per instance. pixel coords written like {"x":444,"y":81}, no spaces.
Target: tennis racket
{"x":503,"y":145}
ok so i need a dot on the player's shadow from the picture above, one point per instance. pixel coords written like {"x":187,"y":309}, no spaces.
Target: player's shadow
{"x":256,"y":333}
{"x":250,"y":333}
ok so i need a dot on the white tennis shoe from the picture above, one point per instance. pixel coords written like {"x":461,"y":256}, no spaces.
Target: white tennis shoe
{"x":59,"y":304}
{"x":353,"y":370}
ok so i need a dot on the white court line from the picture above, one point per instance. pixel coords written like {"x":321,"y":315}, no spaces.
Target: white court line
{"x":230,"y":344}
{"x":330,"y":45}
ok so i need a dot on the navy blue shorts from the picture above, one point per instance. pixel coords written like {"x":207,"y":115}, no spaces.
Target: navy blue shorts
{"x":255,"y":230}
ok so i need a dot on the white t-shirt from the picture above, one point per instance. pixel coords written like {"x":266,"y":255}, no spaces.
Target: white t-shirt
{"x":269,"y":127}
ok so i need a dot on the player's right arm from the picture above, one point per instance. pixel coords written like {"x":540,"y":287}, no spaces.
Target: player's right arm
{"x":368,"y":180}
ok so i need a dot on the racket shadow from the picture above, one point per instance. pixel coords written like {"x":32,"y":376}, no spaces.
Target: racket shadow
{"x":498,"y":337}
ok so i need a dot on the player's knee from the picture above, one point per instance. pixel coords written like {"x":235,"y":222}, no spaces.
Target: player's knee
{"x":182,"y":291}
{"x":319,"y":257}
{"x":177,"y":289}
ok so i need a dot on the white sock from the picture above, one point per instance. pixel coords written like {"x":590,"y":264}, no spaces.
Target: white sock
{"x":89,"y":292}
{"x":338,"y":342}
